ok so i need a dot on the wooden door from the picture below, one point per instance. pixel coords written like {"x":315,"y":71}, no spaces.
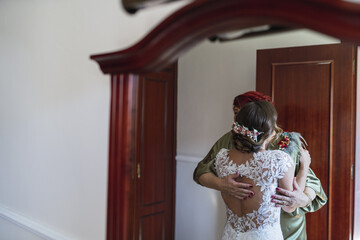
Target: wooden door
{"x":314,"y":93}
{"x":155,"y":156}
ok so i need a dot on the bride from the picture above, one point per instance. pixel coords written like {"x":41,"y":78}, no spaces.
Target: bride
{"x":257,"y":217}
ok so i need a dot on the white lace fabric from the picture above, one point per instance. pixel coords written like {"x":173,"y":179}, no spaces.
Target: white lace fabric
{"x":264,"y":169}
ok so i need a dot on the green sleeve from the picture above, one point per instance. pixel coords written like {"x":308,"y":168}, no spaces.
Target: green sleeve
{"x":293,"y":149}
{"x":320,"y":200}
{"x":207,"y":164}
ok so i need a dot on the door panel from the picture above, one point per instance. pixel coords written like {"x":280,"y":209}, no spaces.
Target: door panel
{"x":152,"y":226}
{"x":155,"y":156}
{"x":295,"y":111}
{"x":314,"y":93}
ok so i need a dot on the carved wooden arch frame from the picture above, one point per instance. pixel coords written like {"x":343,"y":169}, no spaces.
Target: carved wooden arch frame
{"x":169,"y":40}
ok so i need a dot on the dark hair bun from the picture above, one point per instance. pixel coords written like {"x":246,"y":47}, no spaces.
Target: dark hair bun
{"x":260,"y":115}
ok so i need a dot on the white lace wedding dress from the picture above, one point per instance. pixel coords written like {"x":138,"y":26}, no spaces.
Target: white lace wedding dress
{"x":264,"y":169}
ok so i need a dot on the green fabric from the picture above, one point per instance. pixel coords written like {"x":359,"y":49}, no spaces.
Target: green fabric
{"x":207,"y":164}
{"x":293,"y":224}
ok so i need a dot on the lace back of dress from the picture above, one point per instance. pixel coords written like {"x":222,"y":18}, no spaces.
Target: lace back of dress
{"x":264,"y":173}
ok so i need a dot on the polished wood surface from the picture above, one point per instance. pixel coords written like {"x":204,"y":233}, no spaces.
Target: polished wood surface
{"x":314,"y":92}
{"x":155,"y":181}
{"x":142,"y":170}
{"x":121,"y":155}
{"x":202,"y":19}
{"x":308,"y":93}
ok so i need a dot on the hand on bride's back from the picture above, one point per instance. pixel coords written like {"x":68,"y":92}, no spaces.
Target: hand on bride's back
{"x":236,"y":189}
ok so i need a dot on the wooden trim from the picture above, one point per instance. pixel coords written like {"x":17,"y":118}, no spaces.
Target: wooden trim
{"x":331,"y":142}
{"x":353,"y":140}
{"x":201,"y":19}
{"x":30,"y":226}
{"x":121,"y":155}
{"x":346,"y":122}
{"x":356,"y":170}
{"x":175,"y":86}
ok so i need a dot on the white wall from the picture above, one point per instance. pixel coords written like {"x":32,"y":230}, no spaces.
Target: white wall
{"x":54,"y":112}
{"x":210,"y":76}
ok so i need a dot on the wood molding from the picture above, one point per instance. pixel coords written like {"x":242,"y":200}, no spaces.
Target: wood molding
{"x":201,"y":19}
{"x":355,"y":168}
{"x":121,"y":155}
{"x":30,"y":225}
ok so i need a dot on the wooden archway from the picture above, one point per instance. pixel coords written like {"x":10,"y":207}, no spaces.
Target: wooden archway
{"x":202,"y":19}
{"x":169,"y":40}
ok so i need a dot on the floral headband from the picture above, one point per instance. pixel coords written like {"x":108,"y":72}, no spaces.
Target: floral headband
{"x":241,"y":129}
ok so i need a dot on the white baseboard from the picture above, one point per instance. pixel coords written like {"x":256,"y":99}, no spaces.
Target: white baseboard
{"x":29,"y":225}
{"x":189,"y":159}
